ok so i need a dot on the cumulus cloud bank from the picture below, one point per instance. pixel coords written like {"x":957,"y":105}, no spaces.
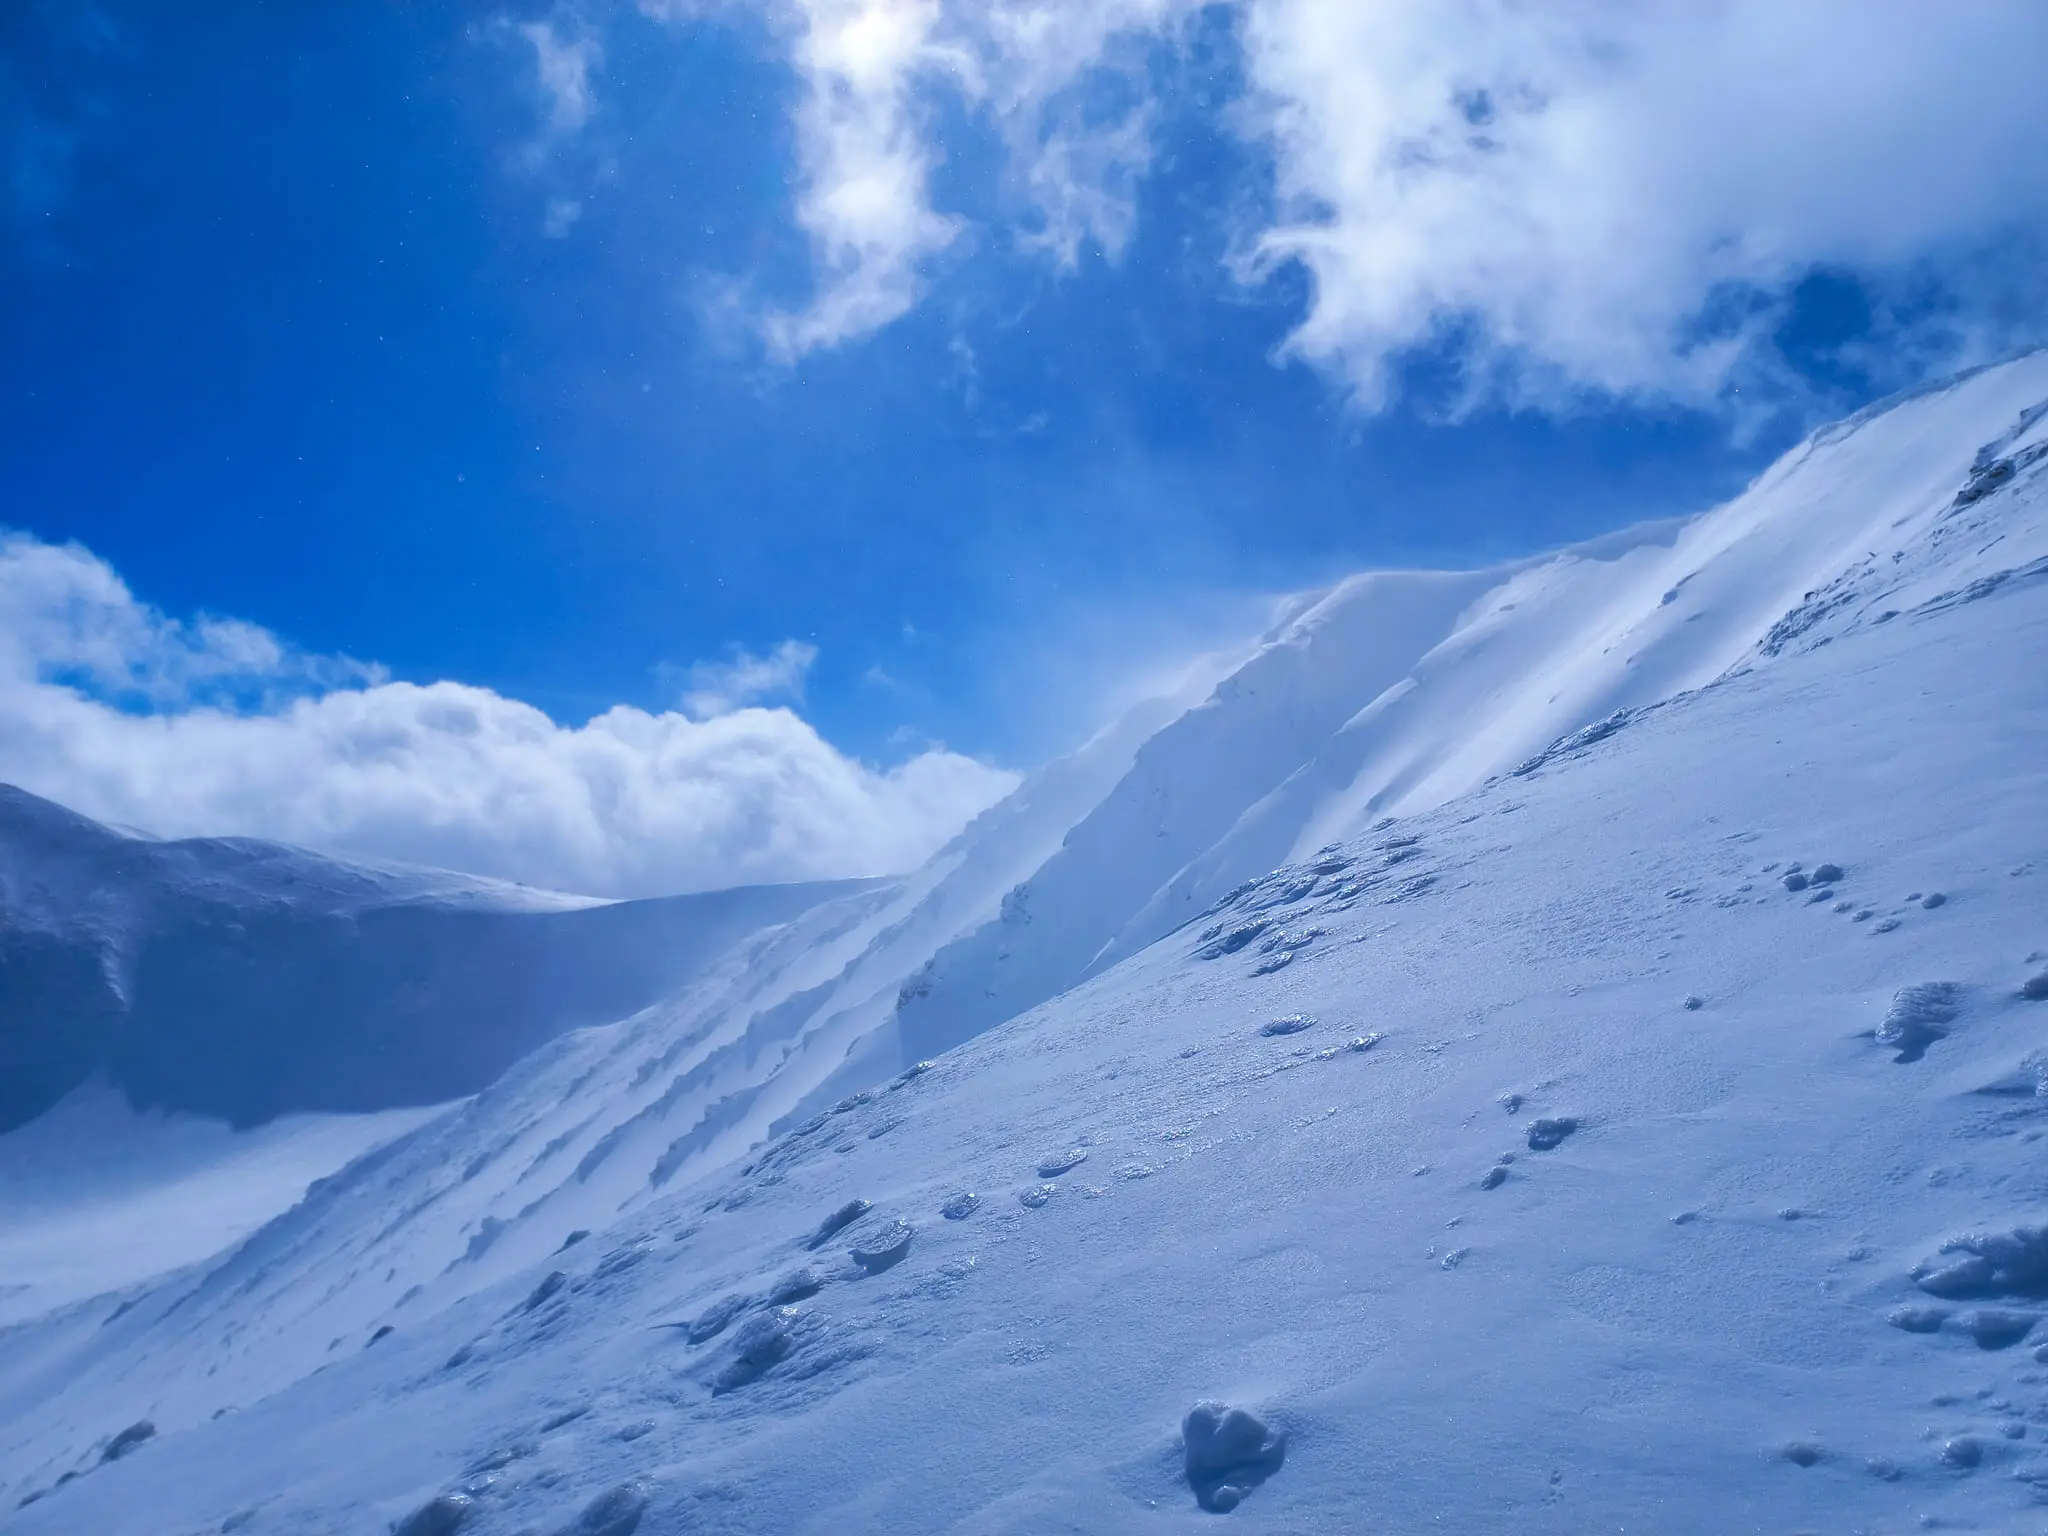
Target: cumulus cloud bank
{"x":1576,"y":195}
{"x":218,"y":727}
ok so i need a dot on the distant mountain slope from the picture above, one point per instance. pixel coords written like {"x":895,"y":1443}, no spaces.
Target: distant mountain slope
{"x":244,"y":980}
{"x":1646,"y":1137}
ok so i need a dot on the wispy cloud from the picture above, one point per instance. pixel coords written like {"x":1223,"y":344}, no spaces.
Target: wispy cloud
{"x":217,"y":726}
{"x":719,"y":687}
{"x":559,"y":57}
{"x":865,"y":167}
{"x":563,"y":66}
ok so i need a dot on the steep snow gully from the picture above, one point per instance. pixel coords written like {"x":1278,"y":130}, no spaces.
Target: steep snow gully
{"x":1555,"y":1048}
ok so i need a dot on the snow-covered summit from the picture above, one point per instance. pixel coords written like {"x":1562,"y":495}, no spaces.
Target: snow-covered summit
{"x":1616,"y":1110}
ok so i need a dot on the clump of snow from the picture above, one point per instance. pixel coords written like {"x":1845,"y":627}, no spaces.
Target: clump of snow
{"x":885,"y":1248}
{"x":1292,"y":1024}
{"x":717,"y":1317}
{"x":797,"y":1285}
{"x":2013,"y":1263}
{"x":1229,"y":1451}
{"x":763,"y":1340}
{"x":135,"y":1434}
{"x":838,"y":1221}
{"x":615,"y":1512}
{"x":1918,"y":1016}
{"x":1997,"y":1327}
{"x":442,"y":1515}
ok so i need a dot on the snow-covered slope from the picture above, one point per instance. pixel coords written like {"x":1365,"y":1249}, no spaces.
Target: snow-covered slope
{"x":1671,"y":1314}
{"x":1395,"y":691}
{"x":243,"y":980}
{"x":96,"y":1196}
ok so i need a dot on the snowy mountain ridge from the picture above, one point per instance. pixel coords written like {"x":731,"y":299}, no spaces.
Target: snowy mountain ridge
{"x":244,"y":979}
{"x":1524,"y":821}
{"x":1397,"y":691}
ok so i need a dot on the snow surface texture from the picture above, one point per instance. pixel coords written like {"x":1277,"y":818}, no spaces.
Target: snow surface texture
{"x":1598,"y":1176}
{"x":244,"y":980}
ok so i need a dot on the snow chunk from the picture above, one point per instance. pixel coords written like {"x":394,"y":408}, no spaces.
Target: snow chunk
{"x":442,"y":1515}
{"x":1235,"y":939}
{"x":1962,"y":1453}
{"x":761,"y":1341}
{"x":884,"y":1249}
{"x":718,"y":1317}
{"x":838,"y":1222}
{"x":1919,"y":1016}
{"x":796,"y":1285}
{"x":615,"y":1512}
{"x":1293,"y":1024}
{"x":128,"y":1440}
{"x":2011,"y":1263}
{"x":1230,"y":1451}
{"x":554,"y":1280}
{"x":1997,"y":1328}
{"x":1917,"y":1319}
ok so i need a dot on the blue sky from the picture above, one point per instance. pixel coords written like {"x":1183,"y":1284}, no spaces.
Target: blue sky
{"x":936,"y":377}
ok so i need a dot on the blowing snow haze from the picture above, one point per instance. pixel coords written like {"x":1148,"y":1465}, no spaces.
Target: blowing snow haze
{"x":890,"y":765}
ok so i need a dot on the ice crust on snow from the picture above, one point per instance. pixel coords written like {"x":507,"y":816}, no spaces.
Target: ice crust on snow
{"x":1287,"y":1244}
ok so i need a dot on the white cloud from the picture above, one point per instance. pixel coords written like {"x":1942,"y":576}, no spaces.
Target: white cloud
{"x":217,"y":727}
{"x":1577,"y":185}
{"x":563,"y":67}
{"x":1585,"y":195}
{"x":869,"y":71}
{"x":67,"y":616}
{"x":864,"y":197}
{"x":720,"y":687}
